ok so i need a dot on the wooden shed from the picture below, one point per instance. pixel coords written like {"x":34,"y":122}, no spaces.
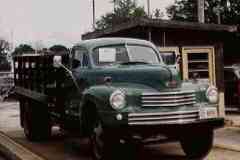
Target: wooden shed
{"x":200,"y":46}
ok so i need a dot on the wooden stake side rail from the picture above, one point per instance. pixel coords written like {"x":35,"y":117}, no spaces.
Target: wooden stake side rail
{"x":36,"y":77}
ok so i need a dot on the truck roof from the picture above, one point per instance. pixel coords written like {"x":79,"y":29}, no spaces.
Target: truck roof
{"x":93,"y":43}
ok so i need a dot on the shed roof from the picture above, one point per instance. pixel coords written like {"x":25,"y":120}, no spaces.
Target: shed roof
{"x":163,"y":24}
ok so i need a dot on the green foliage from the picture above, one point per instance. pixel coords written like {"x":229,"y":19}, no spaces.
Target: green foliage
{"x":124,"y":11}
{"x":58,"y":48}
{"x":158,"y":14}
{"x":23,"y":49}
{"x":183,"y":10}
{"x":186,"y":10}
{"x":4,"y":47}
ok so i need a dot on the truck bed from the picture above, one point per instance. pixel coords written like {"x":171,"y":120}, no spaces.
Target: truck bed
{"x":35,"y":76}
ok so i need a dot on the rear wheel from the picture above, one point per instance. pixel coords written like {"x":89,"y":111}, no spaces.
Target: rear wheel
{"x":198,"y":144}
{"x":36,"y":121}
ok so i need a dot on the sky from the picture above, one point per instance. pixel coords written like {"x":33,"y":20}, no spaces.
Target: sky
{"x":48,"y":22}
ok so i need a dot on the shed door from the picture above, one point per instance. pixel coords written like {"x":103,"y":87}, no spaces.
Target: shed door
{"x":199,"y":62}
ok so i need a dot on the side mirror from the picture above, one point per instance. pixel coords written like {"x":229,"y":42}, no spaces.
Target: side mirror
{"x":57,"y":61}
{"x":75,"y":63}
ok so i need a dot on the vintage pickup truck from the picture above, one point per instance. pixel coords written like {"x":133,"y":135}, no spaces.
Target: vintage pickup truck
{"x":118,"y":92}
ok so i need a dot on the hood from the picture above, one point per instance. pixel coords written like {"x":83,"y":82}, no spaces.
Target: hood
{"x":154,"y":76}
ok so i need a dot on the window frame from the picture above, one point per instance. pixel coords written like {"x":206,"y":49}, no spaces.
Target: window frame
{"x":125,"y":44}
{"x":84,"y":52}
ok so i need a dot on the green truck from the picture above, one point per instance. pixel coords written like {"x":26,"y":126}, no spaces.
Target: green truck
{"x":119,"y":93}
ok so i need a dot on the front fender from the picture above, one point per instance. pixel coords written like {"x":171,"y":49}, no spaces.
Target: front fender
{"x":99,"y":95}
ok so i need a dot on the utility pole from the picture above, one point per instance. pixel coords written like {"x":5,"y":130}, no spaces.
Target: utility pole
{"x":12,"y":48}
{"x":94,"y":16}
{"x":201,"y":17}
{"x":148,"y":7}
{"x":11,"y":40}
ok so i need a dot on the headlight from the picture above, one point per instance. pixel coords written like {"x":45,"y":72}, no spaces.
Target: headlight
{"x":117,"y":99}
{"x":212,"y":94}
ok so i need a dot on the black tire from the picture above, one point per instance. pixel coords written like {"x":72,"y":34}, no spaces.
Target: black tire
{"x":197,"y":145}
{"x":36,"y":122}
{"x":99,"y":143}
{"x":107,"y":146}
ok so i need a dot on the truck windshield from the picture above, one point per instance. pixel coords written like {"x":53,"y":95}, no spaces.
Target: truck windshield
{"x":108,"y":55}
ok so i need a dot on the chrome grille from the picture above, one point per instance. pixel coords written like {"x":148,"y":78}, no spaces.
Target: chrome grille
{"x":179,"y":117}
{"x":168,"y":99}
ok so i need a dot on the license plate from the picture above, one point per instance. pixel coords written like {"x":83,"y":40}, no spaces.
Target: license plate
{"x":207,"y":113}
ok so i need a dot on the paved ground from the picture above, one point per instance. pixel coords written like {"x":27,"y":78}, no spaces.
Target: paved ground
{"x":64,"y":149}
{"x":9,"y":116}
{"x":61,"y":148}
{"x":2,"y":158}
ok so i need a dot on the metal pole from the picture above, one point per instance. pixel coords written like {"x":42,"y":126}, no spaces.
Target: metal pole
{"x":93,"y":9}
{"x":219,"y":17}
{"x":149,"y":34}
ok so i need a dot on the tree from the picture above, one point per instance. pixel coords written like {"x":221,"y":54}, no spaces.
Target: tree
{"x":124,"y":11}
{"x":186,"y":10}
{"x":38,"y":45}
{"x":4,"y":47}
{"x":183,"y":10}
{"x":158,"y":14}
{"x":4,"y":50}
{"x":58,"y":48}
{"x":23,"y":48}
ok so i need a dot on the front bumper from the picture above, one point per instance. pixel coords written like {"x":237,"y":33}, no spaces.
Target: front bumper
{"x":171,"y":130}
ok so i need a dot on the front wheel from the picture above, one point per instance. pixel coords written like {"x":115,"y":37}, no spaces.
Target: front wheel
{"x":107,"y":146}
{"x":198,"y":144}
{"x":99,"y":143}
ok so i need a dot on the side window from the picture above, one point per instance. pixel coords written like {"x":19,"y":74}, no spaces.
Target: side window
{"x":80,"y":58}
